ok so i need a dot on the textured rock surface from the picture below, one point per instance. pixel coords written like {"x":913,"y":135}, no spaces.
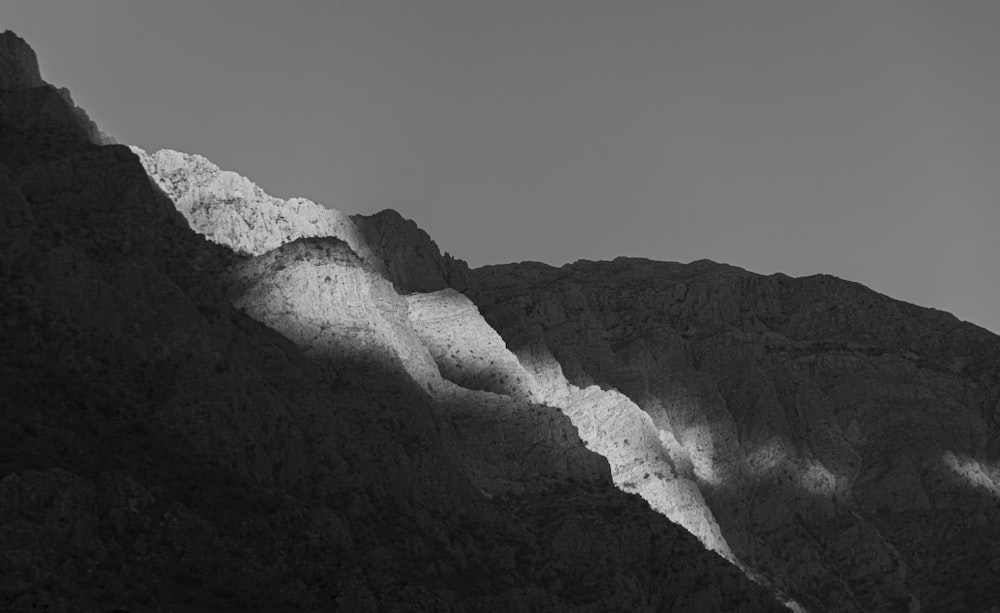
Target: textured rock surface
{"x":320,"y":295}
{"x":231,"y":210}
{"x":344,"y":308}
{"x":162,"y":451}
{"x":641,"y":461}
{"x":465,"y":348}
{"x":407,"y":256}
{"x":827,"y":425}
{"x":468,"y":351}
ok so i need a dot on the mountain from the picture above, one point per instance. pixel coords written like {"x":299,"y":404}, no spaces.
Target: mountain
{"x":223,"y":400}
{"x":231,"y":210}
{"x":836,"y":444}
{"x":846,"y":442}
{"x":397,"y":251}
{"x":831,"y":441}
{"x":299,"y":414}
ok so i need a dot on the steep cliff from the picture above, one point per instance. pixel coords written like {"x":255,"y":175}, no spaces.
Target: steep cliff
{"x":162,"y":450}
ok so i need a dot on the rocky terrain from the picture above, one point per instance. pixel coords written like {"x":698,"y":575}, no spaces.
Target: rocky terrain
{"x":245,"y":425}
{"x":231,"y":210}
{"x":836,"y":444}
{"x":846,"y":442}
{"x":349,"y":313}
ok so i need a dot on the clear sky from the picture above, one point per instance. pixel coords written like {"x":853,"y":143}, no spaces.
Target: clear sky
{"x":859,"y":138}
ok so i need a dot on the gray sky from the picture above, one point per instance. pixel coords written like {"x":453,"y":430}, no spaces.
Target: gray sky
{"x":855,"y":138}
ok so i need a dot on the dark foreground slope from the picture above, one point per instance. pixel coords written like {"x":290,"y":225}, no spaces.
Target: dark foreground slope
{"x":161,"y":451}
{"x":848,"y":443}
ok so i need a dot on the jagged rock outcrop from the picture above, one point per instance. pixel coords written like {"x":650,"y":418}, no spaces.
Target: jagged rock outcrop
{"x":160,"y":450}
{"x":231,"y":210}
{"x":19,"y":72}
{"x":643,"y":459}
{"x":468,"y":351}
{"x":407,"y":256}
{"x":341,"y":321}
{"x":18,"y":63}
{"x":321,"y":296}
{"x":821,"y":419}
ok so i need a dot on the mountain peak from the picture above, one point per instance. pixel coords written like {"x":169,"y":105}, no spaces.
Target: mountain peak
{"x":232,"y":210}
{"x":18,"y":63}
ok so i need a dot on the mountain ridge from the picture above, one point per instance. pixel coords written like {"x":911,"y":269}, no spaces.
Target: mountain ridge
{"x":872,"y":337}
{"x":719,"y":304}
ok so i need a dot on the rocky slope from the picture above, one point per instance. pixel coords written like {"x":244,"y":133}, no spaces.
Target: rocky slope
{"x":163,"y":450}
{"x":231,"y":210}
{"x":407,"y":256}
{"x":824,"y":422}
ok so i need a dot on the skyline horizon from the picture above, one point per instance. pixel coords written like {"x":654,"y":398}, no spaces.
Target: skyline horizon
{"x":868,"y":162}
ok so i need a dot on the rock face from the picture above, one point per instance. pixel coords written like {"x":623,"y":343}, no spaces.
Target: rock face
{"x":407,"y":256}
{"x":162,"y":450}
{"x":643,"y":459}
{"x":832,"y":430}
{"x":231,"y":210}
{"x":471,"y":353}
{"x":321,"y":296}
{"x":465,"y":348}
